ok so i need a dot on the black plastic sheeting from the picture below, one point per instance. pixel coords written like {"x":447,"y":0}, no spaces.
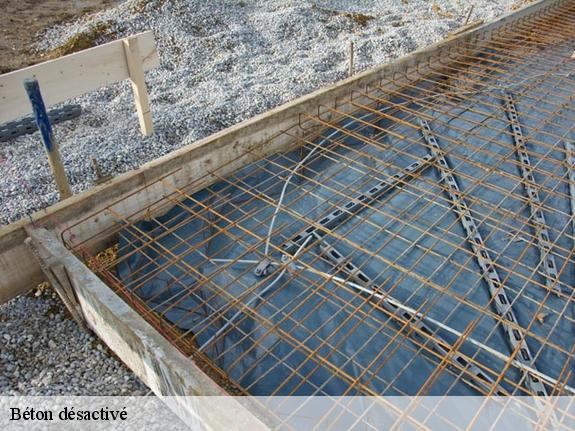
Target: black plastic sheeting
{"x":361,"y":342}
{"x":27,"y":125}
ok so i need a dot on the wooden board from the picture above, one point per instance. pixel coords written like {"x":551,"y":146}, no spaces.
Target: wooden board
{"x":136,"y":71}
{"x":73,"y":75}
{"x":163,"y":368}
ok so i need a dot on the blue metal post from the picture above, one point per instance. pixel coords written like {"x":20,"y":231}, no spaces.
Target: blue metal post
{"x":43,"y":122}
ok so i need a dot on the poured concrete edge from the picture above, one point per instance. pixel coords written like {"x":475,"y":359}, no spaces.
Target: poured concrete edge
{"x":18,"y":270}
{"x":167,"y":372}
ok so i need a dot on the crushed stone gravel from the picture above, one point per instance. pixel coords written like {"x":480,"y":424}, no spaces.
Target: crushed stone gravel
{"x":221,"y":62}
{"x":44,"y":352}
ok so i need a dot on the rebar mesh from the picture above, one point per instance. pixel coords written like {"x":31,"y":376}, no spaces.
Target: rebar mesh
{"x":402,"y":306}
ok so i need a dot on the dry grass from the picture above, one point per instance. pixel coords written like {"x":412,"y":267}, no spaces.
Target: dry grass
{"x":140,"y":6}
{"x":84,"y":40}
{"x":358,"y":18}
{"x":440,"y":12}
{"x":520,"y":4}
{"x":104,"y":260}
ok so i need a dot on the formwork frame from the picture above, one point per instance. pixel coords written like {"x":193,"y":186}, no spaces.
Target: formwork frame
{"x":460,"y":70}
{"x":168,"y":182}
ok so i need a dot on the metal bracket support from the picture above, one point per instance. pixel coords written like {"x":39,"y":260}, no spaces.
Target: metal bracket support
{"x":343,"y":213}
{"x":570,"y":158}
{"x":355,"y":205}
{"x":537,"y":217}
{"x":502,"y":304}
{"x":475,"y":377}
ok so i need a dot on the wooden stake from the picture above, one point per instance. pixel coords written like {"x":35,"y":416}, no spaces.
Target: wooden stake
{"x":99,"y":177}
{"x":136,"y":70}
{"x":43,"y":122}
{"x":350,"y":71}
{"x":469,"y":14}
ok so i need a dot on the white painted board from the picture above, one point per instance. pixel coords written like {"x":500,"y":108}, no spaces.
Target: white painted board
{"x":73,"y":75}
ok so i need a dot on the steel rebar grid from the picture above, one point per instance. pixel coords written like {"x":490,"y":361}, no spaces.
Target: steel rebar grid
{"x":461,"y":96}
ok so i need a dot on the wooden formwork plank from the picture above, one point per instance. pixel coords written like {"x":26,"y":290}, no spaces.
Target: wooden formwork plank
{"x":166,"y":371}
{"x":136,"y":72}
{"x":73,"y":75}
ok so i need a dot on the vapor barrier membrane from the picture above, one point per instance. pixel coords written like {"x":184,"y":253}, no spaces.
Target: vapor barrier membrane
{"x":410,"y":241}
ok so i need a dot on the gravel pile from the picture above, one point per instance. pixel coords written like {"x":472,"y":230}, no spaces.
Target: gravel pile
{"x":44,"y":352}
{"x":221,"y":62}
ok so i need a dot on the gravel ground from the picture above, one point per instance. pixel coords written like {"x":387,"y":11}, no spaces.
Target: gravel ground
{"x":43,"y":352}
{"x":221,"y":62}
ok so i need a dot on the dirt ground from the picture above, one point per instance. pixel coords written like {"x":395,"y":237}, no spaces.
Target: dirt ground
{"x":22,"y":20}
